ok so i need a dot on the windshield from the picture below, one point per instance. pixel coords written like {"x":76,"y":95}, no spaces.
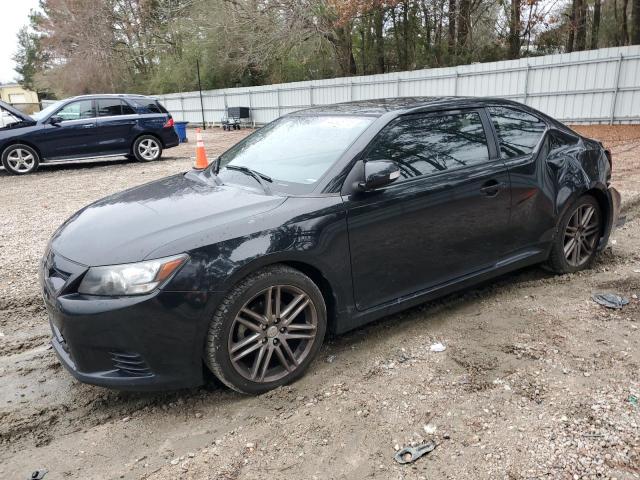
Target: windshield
{"x":295,"y":151}
{"x":45,"y":112}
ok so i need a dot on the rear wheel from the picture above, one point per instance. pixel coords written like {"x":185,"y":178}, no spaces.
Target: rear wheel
{"x":20,"y":159}
{"x":577,"y":238}
{"x":147,"y":148}
{"x":267,"y":330}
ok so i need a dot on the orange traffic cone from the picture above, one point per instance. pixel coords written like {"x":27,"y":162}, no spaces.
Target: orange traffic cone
{"x":201,"y":154}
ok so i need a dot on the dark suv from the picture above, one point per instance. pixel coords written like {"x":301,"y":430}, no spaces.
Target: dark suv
{"x":88,"y":126}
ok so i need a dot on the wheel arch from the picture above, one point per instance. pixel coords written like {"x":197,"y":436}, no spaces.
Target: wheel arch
{"x":602,"y":198}
{"x":323,"y":284}
{"x":146,"y":133}
{"x":315,"y":273}
{"x":20,"y":141}
{"x":605,"y":207}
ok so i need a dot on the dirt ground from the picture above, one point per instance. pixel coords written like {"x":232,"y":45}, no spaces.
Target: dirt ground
{"x":537,"y":381}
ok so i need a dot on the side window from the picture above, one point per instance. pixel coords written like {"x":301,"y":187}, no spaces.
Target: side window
{"x":127,"y":109}
{"x":77,"y":110}
{"x":109,"y":107}
{"x":518,"y":132}
{"x":425,"y":144}
{"x":151,"y":106}
{"x":559,"y":141}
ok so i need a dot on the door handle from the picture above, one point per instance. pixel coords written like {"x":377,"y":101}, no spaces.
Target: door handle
{"x":89,"y":125}
{"x":492,"y":188}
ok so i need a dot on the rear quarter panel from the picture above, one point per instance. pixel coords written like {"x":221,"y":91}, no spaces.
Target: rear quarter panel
{"x":153,"y":124}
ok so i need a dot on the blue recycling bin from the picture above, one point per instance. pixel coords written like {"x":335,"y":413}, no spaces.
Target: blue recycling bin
{"x":181,"y":130}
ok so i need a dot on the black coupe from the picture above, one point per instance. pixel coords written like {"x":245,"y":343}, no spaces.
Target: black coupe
{"x":323,"y":220}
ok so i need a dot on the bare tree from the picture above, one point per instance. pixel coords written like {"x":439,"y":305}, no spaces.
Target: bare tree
{"x":595,"y":24}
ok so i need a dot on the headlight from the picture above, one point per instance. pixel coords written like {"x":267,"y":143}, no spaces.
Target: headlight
{"x":130,"y":278}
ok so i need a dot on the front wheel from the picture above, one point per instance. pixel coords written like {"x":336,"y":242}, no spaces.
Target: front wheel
{"x":267,"y":330}
{"x":579,"y":232}
{"x":147,"y":148}
{"x":20,"y":159}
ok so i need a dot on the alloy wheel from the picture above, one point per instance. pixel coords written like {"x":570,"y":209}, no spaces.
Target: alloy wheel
{"x":148,"y":149}
{"x":581,"y":235}
{"x":21,"y":160}
{"x":273,"y":333}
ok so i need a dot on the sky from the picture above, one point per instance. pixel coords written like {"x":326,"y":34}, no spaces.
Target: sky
{"x":15,"y":14}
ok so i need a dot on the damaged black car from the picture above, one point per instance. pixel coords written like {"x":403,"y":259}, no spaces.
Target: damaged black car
{"x":323,"y":220}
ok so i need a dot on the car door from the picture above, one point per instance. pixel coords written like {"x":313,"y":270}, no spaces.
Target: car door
{"x":521,"y":143}
{"x":74,"y":135}
{"x":115,"y":124}
{"x":444,"y":218}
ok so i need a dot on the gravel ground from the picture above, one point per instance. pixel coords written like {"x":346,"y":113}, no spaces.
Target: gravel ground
{"x":537,"y":381}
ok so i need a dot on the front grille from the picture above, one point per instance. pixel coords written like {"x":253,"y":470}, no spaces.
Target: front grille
{"x":130,"y":364}
{"x":57,"y":272}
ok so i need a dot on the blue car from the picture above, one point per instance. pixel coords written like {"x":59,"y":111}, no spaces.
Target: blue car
{"x":87,"y":126}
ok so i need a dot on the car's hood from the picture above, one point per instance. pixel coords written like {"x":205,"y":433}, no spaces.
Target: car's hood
{"x":15,"y":112}
{"x":129,"y":226}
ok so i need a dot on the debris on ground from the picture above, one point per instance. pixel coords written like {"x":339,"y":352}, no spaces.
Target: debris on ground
{"x":633,"y":400}
{"x":411,"y":454}
{"x":430,"y":429}
{"x":38,"y":474}
{"x":610,"y":300}
{"x":438,"y":347}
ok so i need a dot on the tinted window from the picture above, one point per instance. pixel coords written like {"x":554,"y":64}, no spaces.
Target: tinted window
{"x":151,"y":106}
{"x":77,"y":110}
{"x":518,"y":132}
{"x":161,"y":107}
{"x":421,"y":145}
{"x":109,"y":107}
{"x":559,"y":141}
{"x":127,"y":109}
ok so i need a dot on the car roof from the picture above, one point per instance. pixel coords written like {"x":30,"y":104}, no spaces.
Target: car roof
{"x":117,"y":95}
{"x":381,"y":106}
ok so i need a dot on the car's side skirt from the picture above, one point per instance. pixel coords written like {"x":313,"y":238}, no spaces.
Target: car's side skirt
{"x":76,"y":158}
{"x":354,"y":319}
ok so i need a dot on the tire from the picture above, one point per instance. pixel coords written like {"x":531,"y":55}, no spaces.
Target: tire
{"x":147,"y":148}
{"x":20,"y":159}
{"x":576,"y":240}
{"x":248,"y":353}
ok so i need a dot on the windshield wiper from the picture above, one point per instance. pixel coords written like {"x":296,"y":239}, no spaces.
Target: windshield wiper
{"x":260,"y":177}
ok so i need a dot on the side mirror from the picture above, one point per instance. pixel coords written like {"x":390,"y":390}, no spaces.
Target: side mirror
{"x":379,"y":173}
{"x":55,"y":120}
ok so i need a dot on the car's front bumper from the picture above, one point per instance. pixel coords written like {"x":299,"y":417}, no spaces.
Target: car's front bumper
{"x":148,"y":342}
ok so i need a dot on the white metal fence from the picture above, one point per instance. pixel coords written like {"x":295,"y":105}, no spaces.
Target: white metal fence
{"x":596,"y":86}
